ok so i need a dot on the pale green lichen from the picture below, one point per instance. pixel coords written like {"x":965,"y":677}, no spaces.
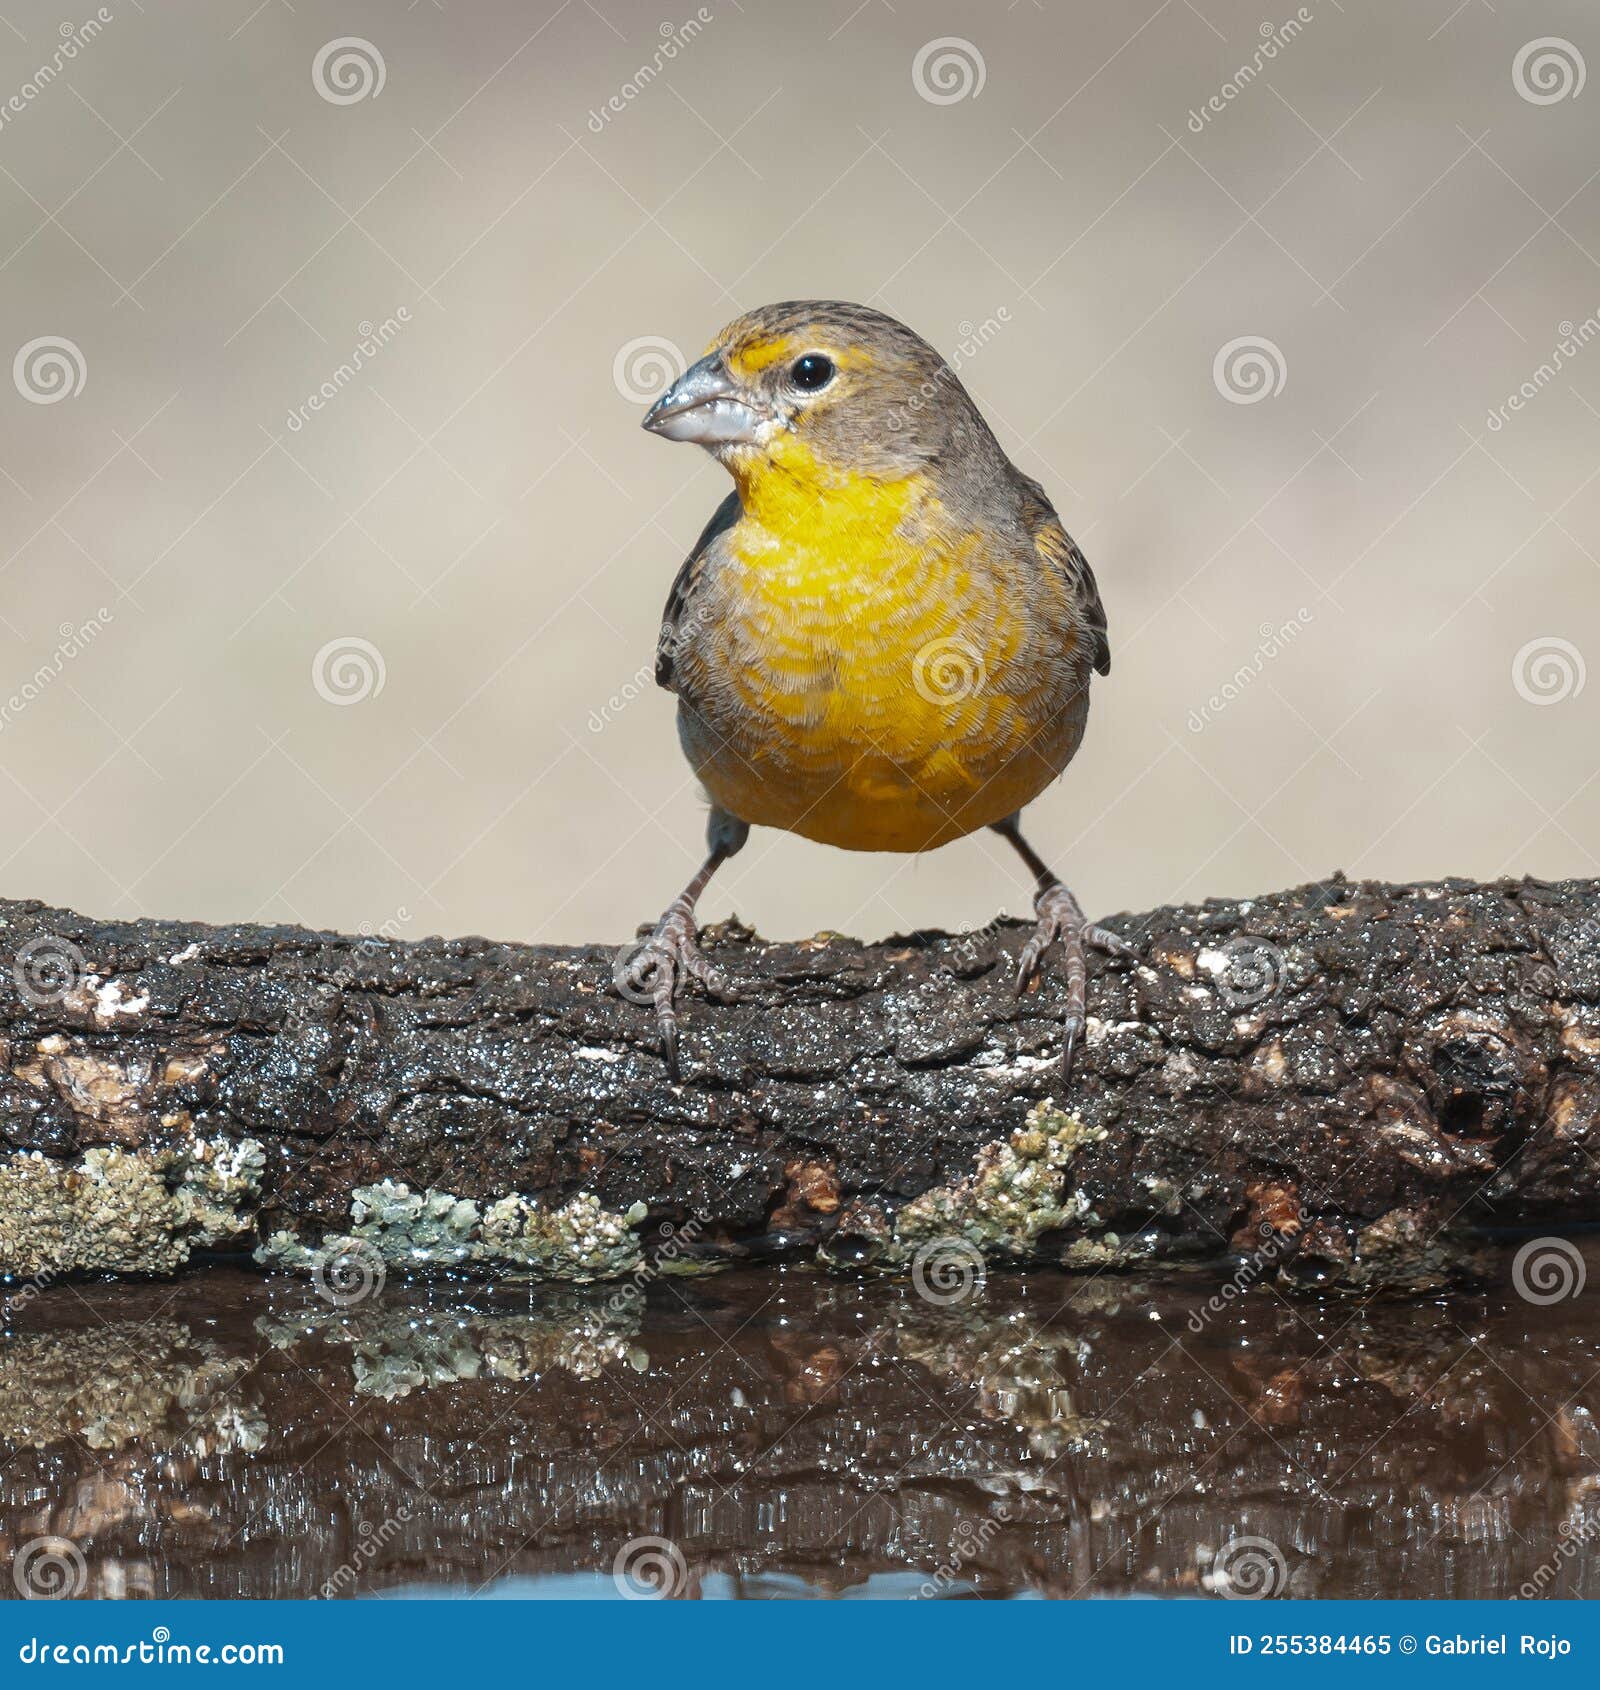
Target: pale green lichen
{"x":578,"y":1241}
{"x":429,"y":1228}
{"x":125,"y":1211}
{"x":1109,"y":1250}
{"x":1016,"y":1192}
{"x":514,"y":1236}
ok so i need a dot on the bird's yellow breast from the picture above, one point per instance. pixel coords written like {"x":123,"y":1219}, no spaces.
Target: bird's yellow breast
{"x":863,"y":650}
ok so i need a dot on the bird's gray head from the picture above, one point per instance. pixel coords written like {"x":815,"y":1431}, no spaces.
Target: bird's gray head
{"x":842,"y":385}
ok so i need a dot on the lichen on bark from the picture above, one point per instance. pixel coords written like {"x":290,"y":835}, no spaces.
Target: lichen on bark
{"x":126,"y":1211}
{"x":512,"y":1237}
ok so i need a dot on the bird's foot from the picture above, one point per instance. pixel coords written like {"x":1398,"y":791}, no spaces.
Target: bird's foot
{"x":1060,"y":916}
{"x":653,"y":971}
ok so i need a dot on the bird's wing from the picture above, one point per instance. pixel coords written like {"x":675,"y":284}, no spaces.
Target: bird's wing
{"x":1058,"y":549}
{"x":681,"y":596}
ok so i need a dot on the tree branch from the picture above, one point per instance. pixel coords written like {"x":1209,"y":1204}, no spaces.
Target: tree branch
{"x":1345,"y":1077}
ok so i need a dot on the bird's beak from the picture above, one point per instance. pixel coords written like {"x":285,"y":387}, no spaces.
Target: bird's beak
{"x":707,"y":406}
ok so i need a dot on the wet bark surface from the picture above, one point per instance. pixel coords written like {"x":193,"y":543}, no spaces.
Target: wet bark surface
{"x":1343,"y":1069}
{"x":774,"y":1433}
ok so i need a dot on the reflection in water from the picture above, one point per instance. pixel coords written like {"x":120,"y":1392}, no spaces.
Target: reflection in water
{"x":397,"y":1350}
{"x":783,"y":1433}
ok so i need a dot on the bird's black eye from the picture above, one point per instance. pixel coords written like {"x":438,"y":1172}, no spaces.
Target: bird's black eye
{"x":811,"y":372}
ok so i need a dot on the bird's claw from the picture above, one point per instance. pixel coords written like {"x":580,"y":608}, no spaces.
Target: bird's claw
{"x":1061,"y":917}
{"x":656,"y":969}
{"x":1103,"y":939}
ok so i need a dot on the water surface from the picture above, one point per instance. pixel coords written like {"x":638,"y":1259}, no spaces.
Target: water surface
{"x":786,"y":1434}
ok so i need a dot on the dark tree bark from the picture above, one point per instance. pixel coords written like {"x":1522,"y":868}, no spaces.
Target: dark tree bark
{"x":1345,"y":1076}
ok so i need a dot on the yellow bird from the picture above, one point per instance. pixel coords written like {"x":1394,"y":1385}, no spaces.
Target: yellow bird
{"x":884,"y":637}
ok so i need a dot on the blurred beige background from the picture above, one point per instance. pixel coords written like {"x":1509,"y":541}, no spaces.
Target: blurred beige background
{"x":1255,"y":348}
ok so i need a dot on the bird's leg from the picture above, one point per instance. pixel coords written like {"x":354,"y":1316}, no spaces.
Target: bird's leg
{"x":1060,"y":917}
{"x":655,"y":968}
